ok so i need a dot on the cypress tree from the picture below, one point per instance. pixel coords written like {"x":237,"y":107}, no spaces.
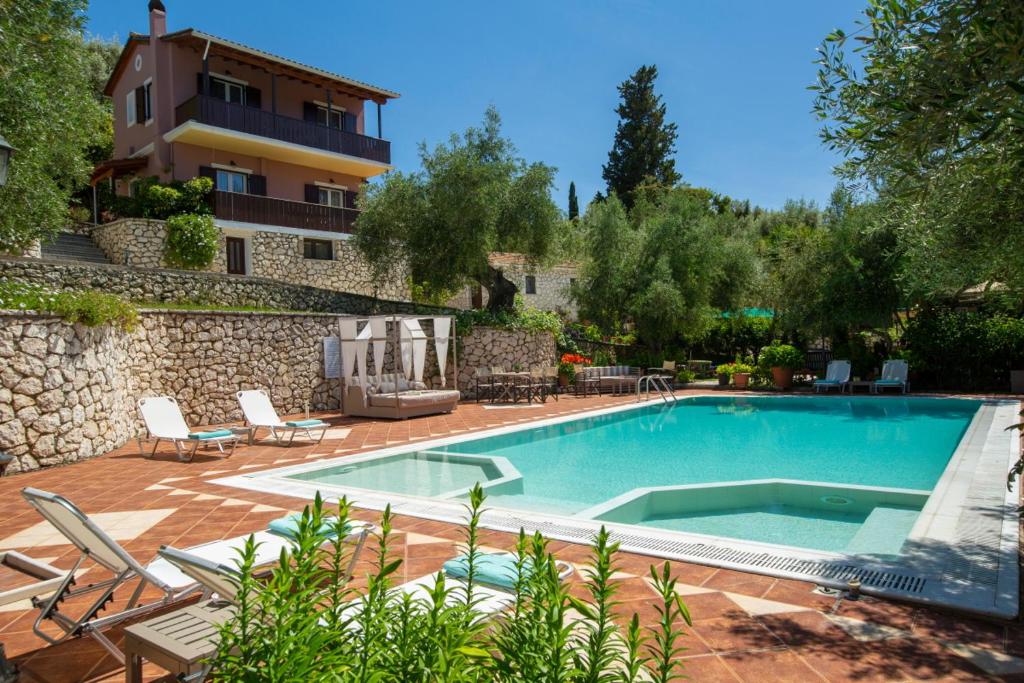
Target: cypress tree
{"x":574,"y":205}
{"x":644,"y":142}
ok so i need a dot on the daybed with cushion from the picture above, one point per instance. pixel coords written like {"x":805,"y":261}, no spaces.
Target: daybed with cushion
{"x":397,"y":398}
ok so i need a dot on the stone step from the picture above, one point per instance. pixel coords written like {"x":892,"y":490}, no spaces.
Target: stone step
{"x":71,"y":247}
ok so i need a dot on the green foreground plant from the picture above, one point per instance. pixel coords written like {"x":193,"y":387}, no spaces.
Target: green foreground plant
{"x":307,"y":623}
{"x":192,"y":241}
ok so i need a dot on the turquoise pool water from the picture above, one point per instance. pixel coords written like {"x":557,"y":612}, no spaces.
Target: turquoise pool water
{"x":871,"y":441}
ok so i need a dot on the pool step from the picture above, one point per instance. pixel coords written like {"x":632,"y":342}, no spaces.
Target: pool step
{"x":883,"y":532}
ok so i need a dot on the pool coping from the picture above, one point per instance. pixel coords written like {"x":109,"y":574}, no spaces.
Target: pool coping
{"x":984,"y":582}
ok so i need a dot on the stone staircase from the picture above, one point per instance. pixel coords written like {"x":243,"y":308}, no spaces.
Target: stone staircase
{"x":71,"y":247}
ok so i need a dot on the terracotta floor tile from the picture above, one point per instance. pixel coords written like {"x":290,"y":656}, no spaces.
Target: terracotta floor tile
{"x":708,"y":669}
{"x":739,"y":582}
{"x":804,"y":629}
{"x":729,"y":634}
{"x":712,"y":606}
{"x":777,"y":666}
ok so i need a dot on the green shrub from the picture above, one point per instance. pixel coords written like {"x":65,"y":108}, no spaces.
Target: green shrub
{"x":152,"y":199}
{"x":88,"y":307}
{"x":685,"y":376}
{"x":192,"y":241}
{"x":781,"y":356}
{"x":521,"y":317}
{"x":964,"y":349}
{"x":307,"y":624}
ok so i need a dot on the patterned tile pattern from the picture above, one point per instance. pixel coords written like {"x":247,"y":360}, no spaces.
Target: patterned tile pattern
{"x":746,"y":627}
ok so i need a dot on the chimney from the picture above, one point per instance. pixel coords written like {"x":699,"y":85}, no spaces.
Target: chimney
{"x":157,"y":18}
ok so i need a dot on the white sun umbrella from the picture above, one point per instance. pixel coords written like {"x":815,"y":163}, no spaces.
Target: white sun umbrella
{"x":414,"y":349}
{"x":442,"y":328}
{"x":379,"y":332}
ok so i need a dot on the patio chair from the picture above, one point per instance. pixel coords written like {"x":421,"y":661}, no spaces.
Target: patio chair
{"x":837,"y":376}
{"x":586,"y":381}
{"x":668,"y":369}
{"x":894,"y":376}
{"x":164,"y":422}
{"x":95,"y":544}
{"x":536,"y":386}
{"x":259,"y":412}
{"x":551,"y":380}
{"x":484,"y":381}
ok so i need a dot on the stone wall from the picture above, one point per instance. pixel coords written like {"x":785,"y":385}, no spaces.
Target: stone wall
{"x":214,"y":289}
{"x":69,"y":392}
{"x":512,"y":349}
{"x":277,"y":255}
{"x":552,"y":289}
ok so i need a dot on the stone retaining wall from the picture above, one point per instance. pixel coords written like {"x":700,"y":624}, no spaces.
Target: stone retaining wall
{"x":213,"y":289}
{"x":69,"y":392}
{"x":272,"y":254}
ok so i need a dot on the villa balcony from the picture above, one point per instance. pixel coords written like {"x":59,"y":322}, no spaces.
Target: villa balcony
{"x":211,"y":122}
{"x":249,"y":208}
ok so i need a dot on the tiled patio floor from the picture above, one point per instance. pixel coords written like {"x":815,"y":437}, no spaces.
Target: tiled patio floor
{"x":746,"y":627}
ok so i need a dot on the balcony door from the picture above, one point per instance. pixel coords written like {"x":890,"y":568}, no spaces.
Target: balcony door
{"x":236,"y":255}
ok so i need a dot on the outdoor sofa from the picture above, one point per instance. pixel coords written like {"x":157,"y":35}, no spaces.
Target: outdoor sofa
{"x":395,"y":397}
{"x":611,"y":379}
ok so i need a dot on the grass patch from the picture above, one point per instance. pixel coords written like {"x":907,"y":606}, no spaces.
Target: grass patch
{"x":90,"y":308}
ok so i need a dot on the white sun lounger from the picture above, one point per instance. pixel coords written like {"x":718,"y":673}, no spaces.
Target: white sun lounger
{"x":164,"y":422}
{"x":837,"y":376}
{"x":894,"y":376}
{"x":96,"y":545}
{"x":259,"y":412}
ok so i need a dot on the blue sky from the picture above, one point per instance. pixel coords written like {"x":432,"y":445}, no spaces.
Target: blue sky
{"x":733,"y":75}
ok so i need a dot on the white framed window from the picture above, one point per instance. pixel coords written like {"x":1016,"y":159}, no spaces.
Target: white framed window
{"x":129,"y":101}
{"x":335,"y":120}
{"x":232,"y":181}
{"x":229,"y":91}
{"x":332,"y":197}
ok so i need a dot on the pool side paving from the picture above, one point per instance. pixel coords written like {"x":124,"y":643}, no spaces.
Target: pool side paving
{"x":747,"y":627}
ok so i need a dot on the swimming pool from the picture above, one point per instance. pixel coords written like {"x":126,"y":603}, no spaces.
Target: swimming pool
{"x":873,"y":462}
{"x":819,"y":489}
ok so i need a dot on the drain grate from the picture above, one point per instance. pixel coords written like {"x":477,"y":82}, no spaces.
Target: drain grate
{"x":810,"y":570}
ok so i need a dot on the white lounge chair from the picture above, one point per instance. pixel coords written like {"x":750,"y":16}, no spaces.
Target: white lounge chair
{"x":93,"y":543}
{"x":837,"y":376}
{"x":259,"y":412}
{"x":164,"y":422}
{"x":894,"y":376}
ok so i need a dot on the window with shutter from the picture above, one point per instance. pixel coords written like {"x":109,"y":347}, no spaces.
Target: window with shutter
{"x":258,"y":185}
{"x":312,"y":194}
{"x":253,"y":97}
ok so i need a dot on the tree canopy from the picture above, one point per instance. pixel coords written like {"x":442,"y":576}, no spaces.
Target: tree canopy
{"x":473,"y":197}
{"x":49,"y":112}
{"x":935,"y":124}
{"x":644,"y":141}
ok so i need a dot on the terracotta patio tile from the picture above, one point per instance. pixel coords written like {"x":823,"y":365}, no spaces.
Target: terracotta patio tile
{"x":777,"y":666}
{"x":709,"y":669}
{"x":739,"y":582}
{"x":729,"y":634}
{"x":804,"y":628}
{"x":712,"y":606}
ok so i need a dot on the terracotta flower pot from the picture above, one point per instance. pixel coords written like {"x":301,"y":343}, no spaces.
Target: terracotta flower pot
{"x":782,"y":377}
{"x":741,"y":379}
{"x":563,"y":379}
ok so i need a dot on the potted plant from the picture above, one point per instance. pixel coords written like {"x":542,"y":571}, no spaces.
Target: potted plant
{"x":782,"y":360}
{"x":724,"y":372}
{"x":685,"y":376}
{"x":567,"y":367}
{"x":741,"y":375}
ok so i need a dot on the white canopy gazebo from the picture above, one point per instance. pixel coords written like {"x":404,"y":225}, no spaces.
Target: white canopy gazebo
{"x":402,"y":393}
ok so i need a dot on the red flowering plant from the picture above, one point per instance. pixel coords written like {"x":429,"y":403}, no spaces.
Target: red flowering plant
{"x":567,"y":364}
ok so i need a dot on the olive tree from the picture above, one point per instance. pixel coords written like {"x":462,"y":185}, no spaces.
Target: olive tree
{"x":473,"y":196}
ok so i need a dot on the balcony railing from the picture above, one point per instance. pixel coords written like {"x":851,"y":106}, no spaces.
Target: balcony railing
{"x":250,"y":208}
{"x":237,"y":117}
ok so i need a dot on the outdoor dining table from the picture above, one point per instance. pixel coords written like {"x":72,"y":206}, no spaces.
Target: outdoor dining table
{"x":506,"y":386}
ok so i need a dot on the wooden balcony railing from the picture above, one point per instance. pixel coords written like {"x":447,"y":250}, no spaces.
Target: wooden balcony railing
{"x":217,"y":112}
{"x":250,"y":208}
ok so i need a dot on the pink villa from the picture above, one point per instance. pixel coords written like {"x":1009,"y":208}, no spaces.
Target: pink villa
{"x":285,"y":143}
